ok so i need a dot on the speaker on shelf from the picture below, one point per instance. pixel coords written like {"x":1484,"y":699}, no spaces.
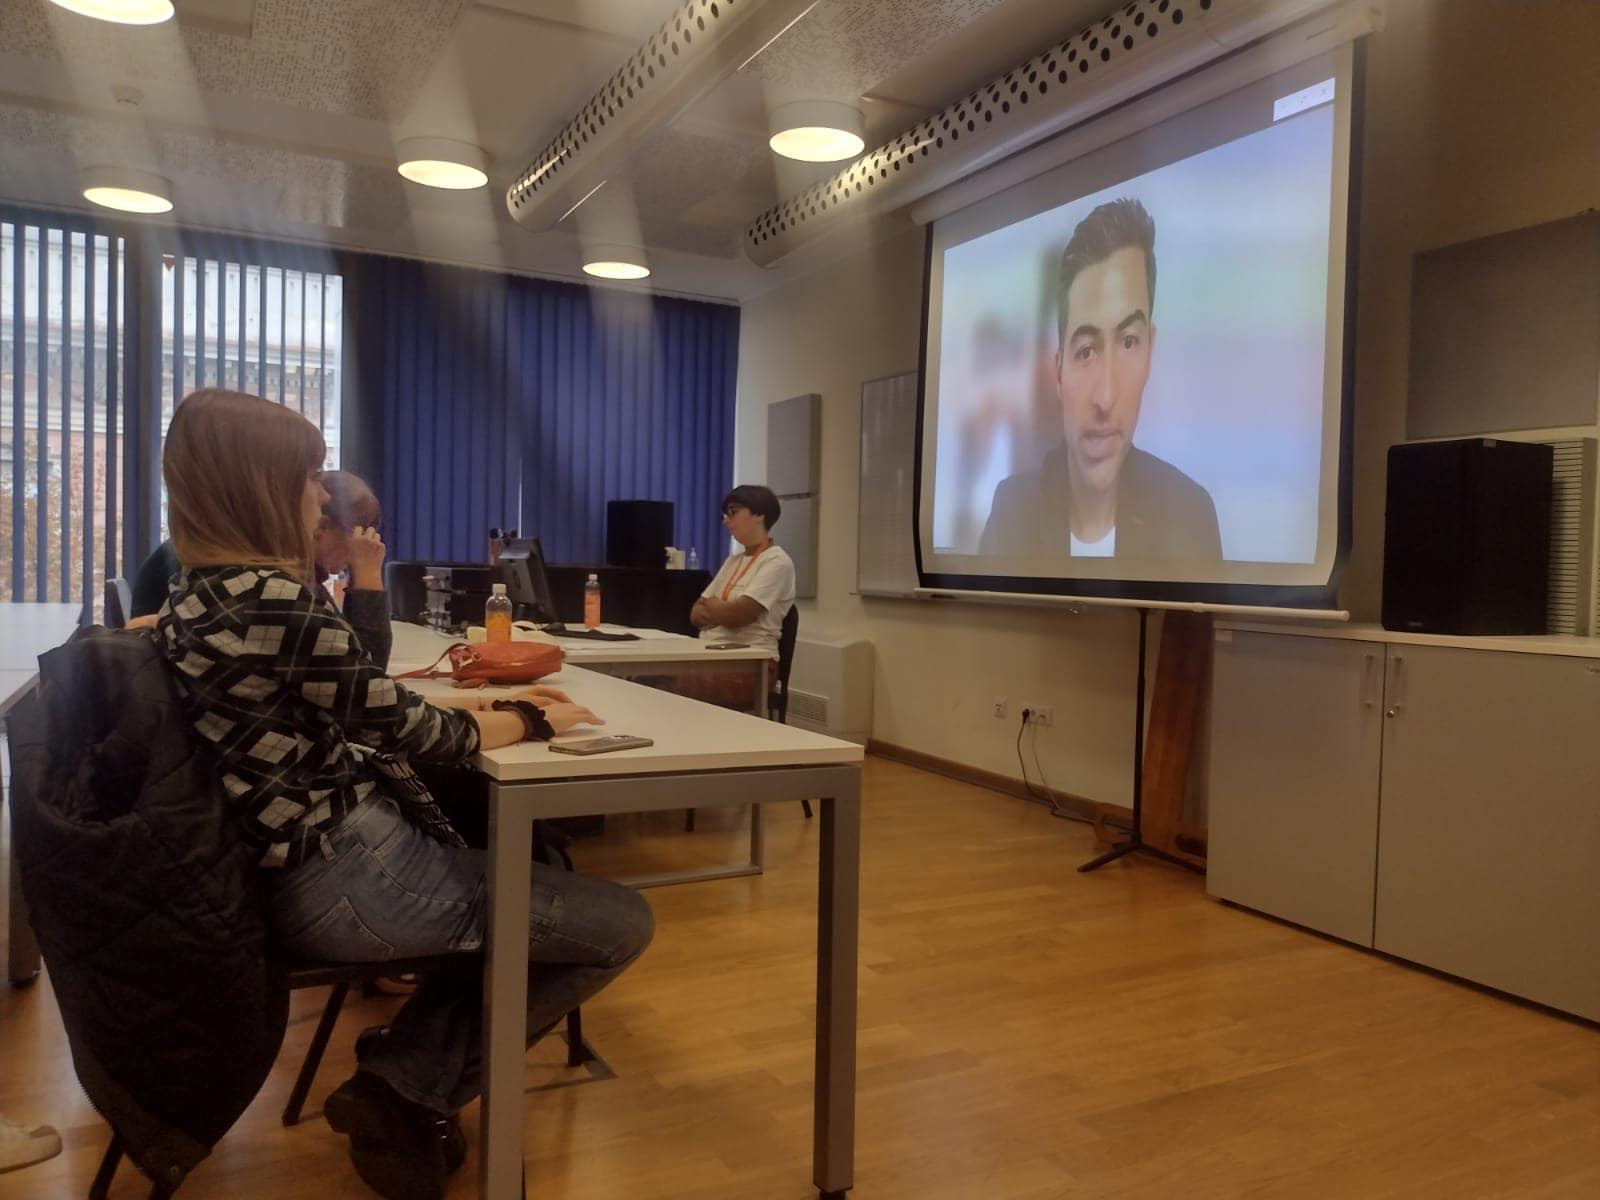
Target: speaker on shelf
{"x":638,"y":532}
{"x":1466,"y":546}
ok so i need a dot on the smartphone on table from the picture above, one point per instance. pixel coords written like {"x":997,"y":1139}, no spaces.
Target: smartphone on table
{"x":600,"y":744}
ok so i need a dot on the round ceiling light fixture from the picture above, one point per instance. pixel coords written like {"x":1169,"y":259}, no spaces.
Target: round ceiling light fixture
{"x":121,"y":12}
{"x":817,"y":131}
{"x":443,"y":163}
{"x":613,"y":261}
{"x":127,"y":190}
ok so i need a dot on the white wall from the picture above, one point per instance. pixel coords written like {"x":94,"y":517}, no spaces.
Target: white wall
{"x":1480,"y":117}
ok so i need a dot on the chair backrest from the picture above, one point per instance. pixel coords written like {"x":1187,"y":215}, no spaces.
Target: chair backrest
{"x":778,"y":701}
{"x":408,"y":595}
{"x":119,"y":602}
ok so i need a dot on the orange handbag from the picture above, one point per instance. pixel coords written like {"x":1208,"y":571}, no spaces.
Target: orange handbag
{"x":475,"y":666}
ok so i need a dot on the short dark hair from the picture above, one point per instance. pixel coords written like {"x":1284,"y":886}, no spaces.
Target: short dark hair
{"x":757,"y":499}
{"x":1112,"y":226}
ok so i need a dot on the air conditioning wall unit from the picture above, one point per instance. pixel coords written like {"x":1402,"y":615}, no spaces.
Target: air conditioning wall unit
{"x":830,"y":687}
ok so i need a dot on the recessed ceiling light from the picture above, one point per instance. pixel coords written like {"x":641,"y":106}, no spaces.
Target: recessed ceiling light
{"x":615,"y":262}
{"x":127,"y":190}
{"x":123,"y":12}
{"x":443,"y":163}
{"x":817,"y":131}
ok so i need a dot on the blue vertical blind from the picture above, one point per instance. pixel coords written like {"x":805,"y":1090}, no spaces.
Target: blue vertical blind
{"x":503,"y":401}
{"x":61,"y":417}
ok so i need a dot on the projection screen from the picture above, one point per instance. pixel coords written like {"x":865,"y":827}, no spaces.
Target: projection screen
{"x":1136,"y":364}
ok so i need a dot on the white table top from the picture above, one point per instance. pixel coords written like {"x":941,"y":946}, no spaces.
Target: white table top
{"x":1557,"y":644}
{"x":417,"y":646}
{"x":689,"y":735}
{"x":28,"y":630}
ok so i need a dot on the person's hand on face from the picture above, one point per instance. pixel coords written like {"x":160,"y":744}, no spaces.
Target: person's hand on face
{"x":366,"y":552}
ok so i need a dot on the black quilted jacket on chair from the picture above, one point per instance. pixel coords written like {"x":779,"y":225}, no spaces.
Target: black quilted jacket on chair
{"x":145,"y":901}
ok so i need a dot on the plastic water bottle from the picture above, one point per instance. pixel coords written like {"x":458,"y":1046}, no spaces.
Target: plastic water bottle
{"x":497,"y":615}
{"x":591,"y":601}
{"x":694,"y":559}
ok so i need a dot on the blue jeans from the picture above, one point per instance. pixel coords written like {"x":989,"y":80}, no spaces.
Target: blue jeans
{"x":383,"y":889}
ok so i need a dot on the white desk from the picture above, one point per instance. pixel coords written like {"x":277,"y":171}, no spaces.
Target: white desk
{"x":655,"y":651}
{"x":702,"y":756}
{"x":26,"y":631}
{"x":654,"y":654}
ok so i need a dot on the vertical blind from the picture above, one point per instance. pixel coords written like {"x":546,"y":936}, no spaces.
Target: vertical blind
{"x":61,"y":420}
{"x":477,"y":400}
{"x":505,"y":401}
{"x":230,"y":319}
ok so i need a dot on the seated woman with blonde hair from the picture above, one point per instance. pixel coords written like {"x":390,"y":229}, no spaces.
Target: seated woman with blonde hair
{"x":311,"y":741}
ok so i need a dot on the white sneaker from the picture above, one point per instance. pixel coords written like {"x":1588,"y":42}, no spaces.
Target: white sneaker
{"x":21,"y":1146}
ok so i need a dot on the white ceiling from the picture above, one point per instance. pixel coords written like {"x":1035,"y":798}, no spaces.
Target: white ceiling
{"x":279,"y":117}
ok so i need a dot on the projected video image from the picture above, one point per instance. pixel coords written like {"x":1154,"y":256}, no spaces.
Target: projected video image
{"x":1139,"y":374}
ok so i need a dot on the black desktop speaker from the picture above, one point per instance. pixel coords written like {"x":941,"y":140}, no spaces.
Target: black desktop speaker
{"x":638,"y":532}
{"x":1466,"y":546}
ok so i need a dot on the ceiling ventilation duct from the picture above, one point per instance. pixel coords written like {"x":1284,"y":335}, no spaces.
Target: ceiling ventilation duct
{"x":703,"y":43}
{"x":1136,"y":48}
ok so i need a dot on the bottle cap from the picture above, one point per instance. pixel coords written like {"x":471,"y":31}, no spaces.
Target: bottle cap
{"x":498,"y":589}
{"x":593,"y":578}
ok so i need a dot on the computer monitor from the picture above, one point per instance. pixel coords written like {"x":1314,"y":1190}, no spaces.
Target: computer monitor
{"x":522,"y":570}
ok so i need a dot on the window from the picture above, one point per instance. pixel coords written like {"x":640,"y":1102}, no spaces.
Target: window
{"x":61,"y":310}
{"x":270,"y":331}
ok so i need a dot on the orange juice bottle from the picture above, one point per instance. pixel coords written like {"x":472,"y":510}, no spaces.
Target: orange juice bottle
{"x":497,"y":615}
{"x":591,"y":602}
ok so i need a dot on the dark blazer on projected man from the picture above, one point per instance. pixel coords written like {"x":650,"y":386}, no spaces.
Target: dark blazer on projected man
{"x":1161,"y":512}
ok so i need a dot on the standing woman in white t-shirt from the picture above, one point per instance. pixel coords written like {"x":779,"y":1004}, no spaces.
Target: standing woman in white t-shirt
{"x":754,"y":590}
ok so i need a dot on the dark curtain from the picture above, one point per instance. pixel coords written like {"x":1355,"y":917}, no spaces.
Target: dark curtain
{"x":482,"y":400}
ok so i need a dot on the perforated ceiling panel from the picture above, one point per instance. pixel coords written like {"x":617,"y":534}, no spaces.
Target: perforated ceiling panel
{"x":364,"y":58}
{"x":1065,"y":84}
{"x":844,"y":48}
{"x":693,"y":49}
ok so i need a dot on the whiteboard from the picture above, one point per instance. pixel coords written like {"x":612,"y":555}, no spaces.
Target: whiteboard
{"x":886,"y":563}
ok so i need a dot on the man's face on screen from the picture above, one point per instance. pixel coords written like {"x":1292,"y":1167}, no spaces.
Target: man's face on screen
{"x":1102,"y":366}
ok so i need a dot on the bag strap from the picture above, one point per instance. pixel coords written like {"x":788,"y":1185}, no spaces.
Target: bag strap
{"x":428,"y":672}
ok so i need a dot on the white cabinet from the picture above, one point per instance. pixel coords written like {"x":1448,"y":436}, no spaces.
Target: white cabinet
{"x":1296,"y":734}
{"x":1438,"y":802}
{"x":1489,"y":842}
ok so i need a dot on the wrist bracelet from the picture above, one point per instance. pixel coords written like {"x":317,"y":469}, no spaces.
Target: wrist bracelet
{"x":534,"y":724}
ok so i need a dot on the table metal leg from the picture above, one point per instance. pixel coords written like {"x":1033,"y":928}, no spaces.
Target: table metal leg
{"x":838,"y":912}
{"x":505,"y":997}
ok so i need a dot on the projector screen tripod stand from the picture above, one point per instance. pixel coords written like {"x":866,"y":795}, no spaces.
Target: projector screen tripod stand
{"x":1135,"y":840}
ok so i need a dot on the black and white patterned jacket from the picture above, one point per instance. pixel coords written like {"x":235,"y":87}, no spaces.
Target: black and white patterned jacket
{"x":302,"y":725}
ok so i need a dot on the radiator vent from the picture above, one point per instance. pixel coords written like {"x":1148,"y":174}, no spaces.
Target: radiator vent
{"x":1574,"y":571}
{"x":804,"y":706}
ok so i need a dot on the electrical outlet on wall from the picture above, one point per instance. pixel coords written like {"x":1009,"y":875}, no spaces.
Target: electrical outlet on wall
{"x":999,"y":706}
{"x":1039,"y":714}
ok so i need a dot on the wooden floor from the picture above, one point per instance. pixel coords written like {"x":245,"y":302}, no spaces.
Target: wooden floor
{"x":1027,"y":1033}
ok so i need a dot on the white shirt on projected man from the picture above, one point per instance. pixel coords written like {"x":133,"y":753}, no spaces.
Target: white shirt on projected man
{"x":768,"y":579}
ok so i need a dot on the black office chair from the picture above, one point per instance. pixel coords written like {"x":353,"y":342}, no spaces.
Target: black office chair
{"x":778,"y":698}
{"x":340,"y":976}
{"x":408,"y":595}
{"x":119,"y":602}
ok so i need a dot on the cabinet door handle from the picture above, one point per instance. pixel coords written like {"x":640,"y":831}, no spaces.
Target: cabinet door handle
{"x":1367,"y":698}
{"x":1391,"y":686}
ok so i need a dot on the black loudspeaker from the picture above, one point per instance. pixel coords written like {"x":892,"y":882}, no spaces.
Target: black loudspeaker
{"x":1466,"y":545}
{"x":638,"y":532}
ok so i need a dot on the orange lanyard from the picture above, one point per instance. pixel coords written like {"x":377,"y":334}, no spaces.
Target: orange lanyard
{"x":740,"y":573}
